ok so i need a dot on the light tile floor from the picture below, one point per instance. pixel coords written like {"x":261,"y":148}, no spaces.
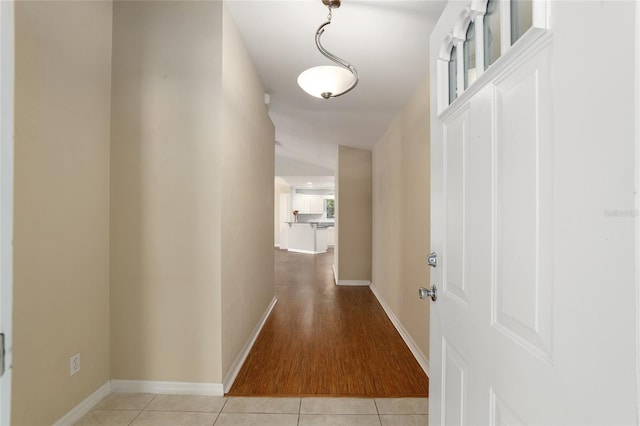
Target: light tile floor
{"x":121,"y":409}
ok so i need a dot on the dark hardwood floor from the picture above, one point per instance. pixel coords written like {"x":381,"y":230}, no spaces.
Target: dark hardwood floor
{"x":326,"y":340}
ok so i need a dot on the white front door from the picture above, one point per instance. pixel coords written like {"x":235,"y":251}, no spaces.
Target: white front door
{"x":534,"y":216}
{"x":6,"y":200}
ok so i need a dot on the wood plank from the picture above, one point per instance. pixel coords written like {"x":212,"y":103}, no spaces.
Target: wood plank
{"x":327,"y":340}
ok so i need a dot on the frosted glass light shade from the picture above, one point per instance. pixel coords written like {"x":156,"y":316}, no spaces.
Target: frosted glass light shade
{"x":325,"y":79}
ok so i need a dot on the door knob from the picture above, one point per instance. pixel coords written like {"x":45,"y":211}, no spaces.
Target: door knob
{"x":426,"y":292}
{"x":432,"y":259}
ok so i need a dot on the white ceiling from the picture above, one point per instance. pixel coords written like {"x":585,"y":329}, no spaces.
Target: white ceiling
{"x":315,"y":182}
{"x":386,"y":40}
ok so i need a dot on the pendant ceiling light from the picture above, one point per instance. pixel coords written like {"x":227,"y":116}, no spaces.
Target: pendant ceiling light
{"x":328,"y":81}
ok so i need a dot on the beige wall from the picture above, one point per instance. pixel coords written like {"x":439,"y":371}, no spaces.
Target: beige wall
{"x":401,"y":216}
{"x":192,"y":195}
{"x":247,"y":196}
{"x":353,"y":214}
{"x":166,"y":192}
{"x":61,"y":245}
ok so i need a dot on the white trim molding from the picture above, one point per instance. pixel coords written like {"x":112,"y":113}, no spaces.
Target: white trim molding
{"x":85,"y":406}
{"x":413,"y":347}
{"x":7,"y":65}
{"x":231,"y":375}
{"x":169,"y":388}
{"x":637,"y":206}
{"x":138,"y":386}
{"x":349,"y":283}
{"x":354,"y":283}
{"x":306,"y":251}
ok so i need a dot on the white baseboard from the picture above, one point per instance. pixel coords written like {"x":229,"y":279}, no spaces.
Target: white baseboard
{"x":276,"y":245}
{"x":306,"y":251}
{"x":354,"y":283}
{"x":413,"y":347}
{"x":363,"y":283}
{"x":231,"y":375}
{"x":171,"y":388}
{"x":85,"y":406}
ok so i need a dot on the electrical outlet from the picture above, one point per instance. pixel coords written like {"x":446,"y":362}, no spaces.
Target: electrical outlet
{"x":74,"y":364}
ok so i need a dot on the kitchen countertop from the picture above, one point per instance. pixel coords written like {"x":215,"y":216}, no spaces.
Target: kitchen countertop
{"x":318,"y":224}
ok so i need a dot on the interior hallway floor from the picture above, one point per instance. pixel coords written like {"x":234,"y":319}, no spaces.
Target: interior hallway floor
{"x":321,"y":340}
{"x":327,"y":340}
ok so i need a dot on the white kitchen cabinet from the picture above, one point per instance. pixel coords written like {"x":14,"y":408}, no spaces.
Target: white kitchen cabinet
{"x":331,"y":236}
{"x":308,"y":204}
{"x":298,"y":203}
{"x":307,"y":238}
{"x":315,"y":204}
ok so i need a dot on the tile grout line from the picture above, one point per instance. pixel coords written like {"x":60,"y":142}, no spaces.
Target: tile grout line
{"x":134,"y":419}
{"x":375,"y":403}
{"x":224,"y":401}
{"x":221,"y":409}
{"x":149,"y":403}
{"x":140,"y":412}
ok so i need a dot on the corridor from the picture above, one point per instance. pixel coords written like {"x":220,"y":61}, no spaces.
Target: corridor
{"x":326,"y":340}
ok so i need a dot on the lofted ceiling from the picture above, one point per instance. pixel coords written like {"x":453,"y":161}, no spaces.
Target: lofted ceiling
{"x":386,"y":40}
{"x":314,"y":182}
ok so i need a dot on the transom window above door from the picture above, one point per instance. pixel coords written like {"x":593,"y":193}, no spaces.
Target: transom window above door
{"x":484,"y":32}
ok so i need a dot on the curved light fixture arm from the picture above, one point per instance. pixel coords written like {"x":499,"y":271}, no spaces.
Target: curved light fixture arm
{"x":338,"y":61}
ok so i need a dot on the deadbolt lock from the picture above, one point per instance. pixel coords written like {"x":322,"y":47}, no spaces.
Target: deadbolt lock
{"x":432,"y":259}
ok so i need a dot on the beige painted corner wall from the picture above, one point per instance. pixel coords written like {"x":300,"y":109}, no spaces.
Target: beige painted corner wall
{"x":166,"y":192}
{"x":279,"y":188}
{"x":353,"y":214}
{"x":247,"y":137}
{"x":61,"y":244}
{"x":401,"y":216}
